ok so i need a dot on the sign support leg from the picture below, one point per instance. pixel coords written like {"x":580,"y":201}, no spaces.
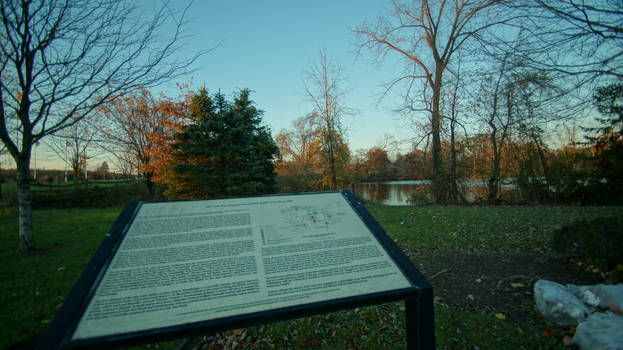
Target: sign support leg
{"x":420,"y":321}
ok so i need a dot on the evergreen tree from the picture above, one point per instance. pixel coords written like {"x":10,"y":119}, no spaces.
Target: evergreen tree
{"x":608,"y":145}
{"x":223,"y":151}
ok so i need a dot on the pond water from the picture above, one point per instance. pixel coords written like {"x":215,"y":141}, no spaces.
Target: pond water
{"x":388,"y":193}
{"x":399,"y":192}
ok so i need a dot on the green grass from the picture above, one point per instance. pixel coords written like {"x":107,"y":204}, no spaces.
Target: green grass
{"x":77,"y":195}
{"x":481,"y":229}
{"x":34,"y":286}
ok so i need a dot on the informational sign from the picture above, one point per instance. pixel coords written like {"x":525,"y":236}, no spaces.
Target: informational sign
{"x":188,"y":262}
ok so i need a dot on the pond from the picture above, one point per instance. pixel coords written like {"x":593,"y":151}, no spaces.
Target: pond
{"x":399,"y":192}
{"x":389,"y":192}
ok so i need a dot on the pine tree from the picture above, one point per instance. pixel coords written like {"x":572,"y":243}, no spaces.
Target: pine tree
{"x":223,"y":151}
{"x":607,"y":146}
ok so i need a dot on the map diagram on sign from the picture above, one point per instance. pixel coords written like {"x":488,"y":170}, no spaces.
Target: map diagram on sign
{"x":305,"y":218}
{"x":308,"y":222}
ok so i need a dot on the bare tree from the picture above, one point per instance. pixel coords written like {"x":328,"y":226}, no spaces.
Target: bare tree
{"x":494,"y":108}
{"x":581,"y":38}
{"x":514,"y":102}
{"x":389,"y":144}
{"x":426,"y":34}
{"x":60,"y":60}
{"x":323,"y":89}
{"x":125,"y":166}
{"x":71,"y":144}
{"x":453,"y":112}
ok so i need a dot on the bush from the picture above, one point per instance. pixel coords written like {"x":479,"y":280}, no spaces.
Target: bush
{"x":423,"y":194}
{"x":601,"y":238}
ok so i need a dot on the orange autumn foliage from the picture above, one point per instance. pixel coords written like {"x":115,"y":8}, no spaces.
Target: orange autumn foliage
{"x":139,"y":129}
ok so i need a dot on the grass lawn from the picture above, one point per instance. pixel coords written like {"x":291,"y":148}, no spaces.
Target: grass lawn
{"x":33,"y":286}
{"x":481,"y":229}
{"x":102,"y":194}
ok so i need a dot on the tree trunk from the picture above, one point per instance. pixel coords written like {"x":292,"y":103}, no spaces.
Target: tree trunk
{"x":544,"y":166}
{"x":76,"y":170}
{"x":150,"y":184}
{"x":331,"y":144}
{"x":439,"y":179}
{"x":333,"y":175}
{"x":454,"y":189}
{"x":26,"y":242}
{"x":1,"y":182}
{"x":494,"y":179}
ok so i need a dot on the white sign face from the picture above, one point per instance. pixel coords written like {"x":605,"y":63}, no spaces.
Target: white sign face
{"x":183,"y":262}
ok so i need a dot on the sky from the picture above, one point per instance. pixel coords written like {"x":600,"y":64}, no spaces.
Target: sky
{"x":266,"y":46}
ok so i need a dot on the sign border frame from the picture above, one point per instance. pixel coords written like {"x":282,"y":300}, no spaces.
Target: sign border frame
{"x":418,"y":297}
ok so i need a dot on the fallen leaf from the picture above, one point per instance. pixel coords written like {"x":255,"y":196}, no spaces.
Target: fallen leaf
{"x":517,"y":285}
{"x":500,"y":316}
{"x":478,"y":280}
{"x":62,"y":268}
{"x":570,"y":331}
{"x":547,"y":332}
{"x":568,"y":341}
{"x":470,"y":297}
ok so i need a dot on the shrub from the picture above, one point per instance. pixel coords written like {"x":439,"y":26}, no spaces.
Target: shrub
{"x":601,"y":238}
{"x":423,"y":194}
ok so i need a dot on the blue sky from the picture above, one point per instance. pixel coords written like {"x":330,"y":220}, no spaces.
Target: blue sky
{"x":266,"y":46}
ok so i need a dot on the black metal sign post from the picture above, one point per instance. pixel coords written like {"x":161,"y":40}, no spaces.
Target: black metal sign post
{"x":175,"y":269}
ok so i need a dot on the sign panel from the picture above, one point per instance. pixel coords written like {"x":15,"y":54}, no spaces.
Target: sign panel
{"x":189,"y":261}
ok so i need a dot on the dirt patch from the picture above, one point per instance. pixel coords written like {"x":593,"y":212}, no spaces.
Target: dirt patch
{"x":496,"y":283}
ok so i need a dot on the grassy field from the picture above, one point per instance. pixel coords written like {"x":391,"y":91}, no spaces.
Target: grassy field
{"x":33,"y":286}
{"x":77,"y":195}
{"x":481,"y":229}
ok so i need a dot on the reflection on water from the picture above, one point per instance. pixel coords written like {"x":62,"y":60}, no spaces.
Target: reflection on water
{"x":387,"y":193}
{"x":399,"y":192}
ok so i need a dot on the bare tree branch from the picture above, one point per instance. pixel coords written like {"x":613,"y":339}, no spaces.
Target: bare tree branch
{"x":62,"y":59}
{"x":426,"y":36}
{"x":323,"y":89}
